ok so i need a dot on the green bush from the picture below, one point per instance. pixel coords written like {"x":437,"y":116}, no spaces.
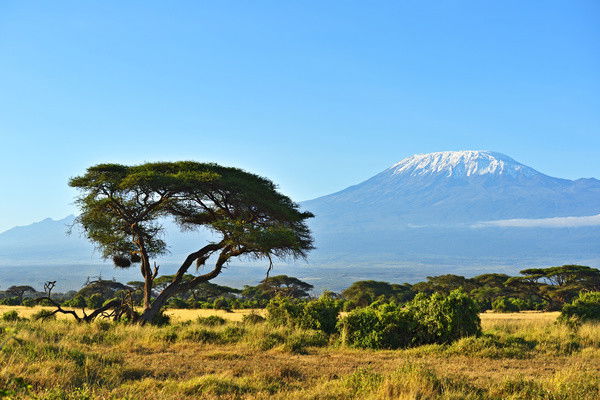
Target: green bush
{"x":29,"y":302}
{"x":585,"y":307}
{"x":168,"y":335}
{"x":505,"y":304}
{"x":299,"y":341}
{"x":444,"y":318}
{"x":202,"y":336}
{"x":424,"y":320}
{"x":11,"y":316}
{"x":386,"y":327}
{"x":284,"y":311}
{"x":222,"y":303}
{"x":161,"y":319}
{"x":78,"y":302}
{"x":253,"y":318}
{"x":10,"y":301}
{"x":493,"y":346}
{"x":212,"y":320}
{"x":321,"y":314}
{"x":269,"y":340}
{"x":177,"y":302}
{"x":232,"y":334}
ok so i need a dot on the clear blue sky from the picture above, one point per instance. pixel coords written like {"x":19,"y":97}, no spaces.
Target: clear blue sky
{"x":315,"y":95}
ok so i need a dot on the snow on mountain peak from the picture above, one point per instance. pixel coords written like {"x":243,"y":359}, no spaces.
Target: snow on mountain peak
{"x":461,"y":164}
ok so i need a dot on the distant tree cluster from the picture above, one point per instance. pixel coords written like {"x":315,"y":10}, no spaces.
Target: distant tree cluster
{"x":537,"y":289}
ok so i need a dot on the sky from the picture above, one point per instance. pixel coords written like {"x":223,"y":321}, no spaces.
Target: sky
{"x":316,"y":96}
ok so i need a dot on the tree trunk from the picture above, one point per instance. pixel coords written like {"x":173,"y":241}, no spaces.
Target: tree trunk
{"x":177,"y":285}
{"x":153,"y":310}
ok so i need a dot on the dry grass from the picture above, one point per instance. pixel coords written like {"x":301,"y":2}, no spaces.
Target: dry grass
{"x":521,"y":356}
{"x":178,"y":315}
{"x":191,"y":315}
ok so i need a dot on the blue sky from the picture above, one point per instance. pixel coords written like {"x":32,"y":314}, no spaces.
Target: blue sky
{"x":315,"y":95}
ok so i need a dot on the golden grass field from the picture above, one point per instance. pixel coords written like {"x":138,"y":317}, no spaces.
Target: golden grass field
{"x":178,"y":315}
{"x":520,"y":356}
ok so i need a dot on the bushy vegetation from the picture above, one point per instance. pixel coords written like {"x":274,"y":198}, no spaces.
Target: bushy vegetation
{"x":424,"y":320}
{"x":585,"y":307}
{"x":318,"y":314}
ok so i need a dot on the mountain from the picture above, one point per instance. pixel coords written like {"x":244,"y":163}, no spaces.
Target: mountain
{"x":459,"y":207}
{"x":462,"y":212}
{"x":455,"y":187}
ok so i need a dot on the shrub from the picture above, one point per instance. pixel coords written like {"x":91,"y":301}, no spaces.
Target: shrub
{"x":222,"y":303}
{"x":384,"y":328}
{"x":168,"y":335}
{"x":202,"y":336}
{"x":78,"y":302}
{"x":10,"y":301}
{"x":29,"y":302}
{"x":320,"y":314}
{"x":585,"y":307}
{"x":11,"y":316}
{"x":161,"y":319}
{"x":253,"y":318}
{"x":177,"y":302}
{"x":505,"y":304}
{"x":284,"y":311}
{"x":43,"y":315}
{"x":493,"y":346}
{"x":443,"y":319}
{"x":269,"y":340}
{"x":424,"y":320}
{"x":232,"y":334}
{"x":212,"y":320}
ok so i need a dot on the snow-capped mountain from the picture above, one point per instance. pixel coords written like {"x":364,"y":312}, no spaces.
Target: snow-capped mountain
{"x":455,"y":187}
{"x":459,"y":208}
{"x":461,"y":164}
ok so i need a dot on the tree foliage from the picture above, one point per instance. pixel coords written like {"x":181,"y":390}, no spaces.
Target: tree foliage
{"x":585,"y":307}
{"x":438,"y":318}
{"x":363,"y":293}
{"x":557,"y":285}
{"x":283,"y":285}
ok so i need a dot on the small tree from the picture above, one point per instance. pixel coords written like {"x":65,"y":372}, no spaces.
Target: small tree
{"x":122,"y":206}
{"x":19,"y":291}
{"x":286,"y":286}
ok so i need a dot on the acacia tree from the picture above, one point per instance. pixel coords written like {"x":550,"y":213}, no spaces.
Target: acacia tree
{"x":284,"y":285}
{"x":19,"y":291}
{"x":557,"y":285}
{"x":122,"y":208}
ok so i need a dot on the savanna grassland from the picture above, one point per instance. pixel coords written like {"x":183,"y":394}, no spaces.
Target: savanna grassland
{"x":518,"y":356}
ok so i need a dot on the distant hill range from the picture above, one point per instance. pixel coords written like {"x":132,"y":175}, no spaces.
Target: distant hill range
{"x":457,"y":211}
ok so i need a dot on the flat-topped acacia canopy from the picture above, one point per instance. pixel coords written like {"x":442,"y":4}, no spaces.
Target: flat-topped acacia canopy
{"x":121,"y":207}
